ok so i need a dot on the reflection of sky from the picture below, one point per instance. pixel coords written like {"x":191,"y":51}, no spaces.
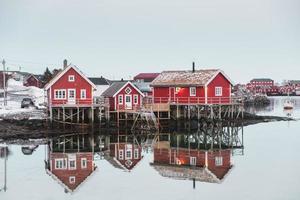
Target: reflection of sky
{"x":268,"y":170}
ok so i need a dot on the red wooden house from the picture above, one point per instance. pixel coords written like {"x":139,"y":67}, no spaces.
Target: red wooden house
{"x":192,"y":87}
{"x":70,"y":169}
{"x":188,"y":164}
{"x":33,"y":80}
{"x":123,"y":96}
{"x":70,"y":88}
{"x":125,"y":155}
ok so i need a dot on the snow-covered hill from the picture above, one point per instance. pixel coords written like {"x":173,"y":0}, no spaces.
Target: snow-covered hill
{"x":15,"y":93}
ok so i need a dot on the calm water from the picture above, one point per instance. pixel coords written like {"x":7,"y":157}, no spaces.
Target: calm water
{"x":266,"y":168}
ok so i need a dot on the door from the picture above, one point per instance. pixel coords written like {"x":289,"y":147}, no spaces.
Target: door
{"x":71,"y":96}
{"x":172,"y":94}
{"x":128,"y":102}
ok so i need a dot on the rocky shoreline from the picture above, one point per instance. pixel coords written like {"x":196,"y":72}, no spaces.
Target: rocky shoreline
{"x":24,"y":129}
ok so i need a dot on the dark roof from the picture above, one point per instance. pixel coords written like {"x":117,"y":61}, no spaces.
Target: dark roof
{"x":146,"y":76}
{"x":99,"y":80}
{"x":113,"y":89}
{"x":261,"y":79}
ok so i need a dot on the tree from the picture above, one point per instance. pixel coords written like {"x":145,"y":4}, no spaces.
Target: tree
{"x":47,"y":76}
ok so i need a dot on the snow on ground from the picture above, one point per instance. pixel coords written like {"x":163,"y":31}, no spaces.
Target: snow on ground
{"x":15,"y":94}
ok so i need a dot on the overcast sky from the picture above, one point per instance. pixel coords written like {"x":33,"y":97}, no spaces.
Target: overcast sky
{"x":118,"y":38}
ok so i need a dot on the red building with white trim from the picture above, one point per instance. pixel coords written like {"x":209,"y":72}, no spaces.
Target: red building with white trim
{"x":123,"y":96}
{"x":33,"y":80}
{"x":192,"y":87}
{"x":70,"y":88}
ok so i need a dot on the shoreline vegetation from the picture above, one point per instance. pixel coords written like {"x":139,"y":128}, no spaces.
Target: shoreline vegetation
{"x":25,"y":129}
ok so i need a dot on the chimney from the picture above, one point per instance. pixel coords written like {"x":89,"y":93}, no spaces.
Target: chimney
{"x":65,"y":63}
{"x":193,"y":67}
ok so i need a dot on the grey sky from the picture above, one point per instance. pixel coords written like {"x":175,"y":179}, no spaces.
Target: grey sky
{"x":253,"y":38}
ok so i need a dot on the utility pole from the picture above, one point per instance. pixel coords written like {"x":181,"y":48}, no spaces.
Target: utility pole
{"x":5,"y":168}
{"x":4,"y":84}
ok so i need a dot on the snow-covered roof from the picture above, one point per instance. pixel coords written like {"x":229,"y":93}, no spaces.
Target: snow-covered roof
{"x":201,"y":174}
{"x":187,"y":78}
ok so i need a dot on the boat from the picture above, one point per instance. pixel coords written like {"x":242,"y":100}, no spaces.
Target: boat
{"x":288,"y":105}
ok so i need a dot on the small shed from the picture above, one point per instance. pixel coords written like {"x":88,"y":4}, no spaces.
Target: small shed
{"x":123,"y":96}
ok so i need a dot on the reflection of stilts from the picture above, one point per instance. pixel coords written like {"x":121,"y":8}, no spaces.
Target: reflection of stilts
{"x":145,"y":120}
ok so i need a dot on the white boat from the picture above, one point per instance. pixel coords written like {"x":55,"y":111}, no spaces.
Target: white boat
{"x":288,"y":105}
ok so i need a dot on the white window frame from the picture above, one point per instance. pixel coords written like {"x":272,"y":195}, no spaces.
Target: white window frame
{"x":83,"y":163}
{"x":120,"y":99}
{"x":63,"y":162}
{"x":72,"y":179}
{"x":71,"y":78}
{"x":61,"y":94}
{"x":135,"y":99}
{"x":121,"y":154}
{"x":83,"y":91}
{"x":219,"y":161}
{"x":69,"y":164}
{"x":218,"y":91}
{"x":193,"y":91}
{"x":126,"y":155}
{"x":193,"y":161}
{"x":136,"y":154}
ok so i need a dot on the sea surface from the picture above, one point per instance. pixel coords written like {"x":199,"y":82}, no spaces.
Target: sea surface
{"x":264,"y":163}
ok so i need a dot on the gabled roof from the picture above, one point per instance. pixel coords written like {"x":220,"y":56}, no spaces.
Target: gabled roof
{"x":146,"y":76}
{"x":99,"y":80}
{"x":37,"y":77}
{"x":60,"y":74}
{"x":116,"y":87}
{"x":188,"y":78}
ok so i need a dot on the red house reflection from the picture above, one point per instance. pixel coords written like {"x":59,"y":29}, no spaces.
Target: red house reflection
{"x":70,"y":168}
{"x":185,"y":163}
{"x":125,"y":153}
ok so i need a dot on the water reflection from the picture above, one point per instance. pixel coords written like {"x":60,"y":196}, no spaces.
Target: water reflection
{"x":202,"y":151}
{"x":70,"y":160}
{"x":124,"y":152}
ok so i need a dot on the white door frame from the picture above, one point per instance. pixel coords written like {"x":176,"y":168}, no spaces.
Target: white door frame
{"x":71,"y":100}
{"x":128,"y":105}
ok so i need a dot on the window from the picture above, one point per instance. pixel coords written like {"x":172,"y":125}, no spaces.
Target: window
{"x":128,"y":154}
{"x":83,"y":94}
{"x":218,"y":91}
{"x":136,"y":154}
{"x":60,"y":163}
{"x":71,"y":93}
{"x":120,"y":99}
{"x":72,"y":164}
{"x":121,"y":154}
{"x":59,"y":94}
{"x":135,"y":99}
{"x":83,"y":163}
{"x":193,"y":161}
{"x":192,"y":91}
{"x":72,"y":179}
{"x":71,"y":78}
{"x":128,"y":90}
{"x":219,"y":161}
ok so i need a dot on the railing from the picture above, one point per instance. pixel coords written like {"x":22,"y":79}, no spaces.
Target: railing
{"x":79,"y":101}
{"x":192,"y":100}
